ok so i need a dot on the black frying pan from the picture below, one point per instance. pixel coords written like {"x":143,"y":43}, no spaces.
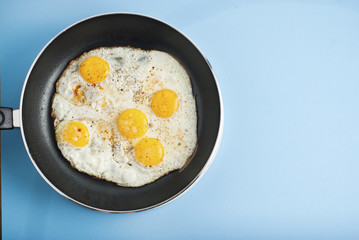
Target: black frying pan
{"x":36,"y":124}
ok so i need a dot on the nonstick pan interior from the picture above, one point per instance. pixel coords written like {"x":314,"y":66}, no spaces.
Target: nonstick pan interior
{"x":37,"y":125}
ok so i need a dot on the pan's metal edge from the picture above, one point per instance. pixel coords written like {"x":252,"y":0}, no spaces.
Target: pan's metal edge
{"x":189,"y":186}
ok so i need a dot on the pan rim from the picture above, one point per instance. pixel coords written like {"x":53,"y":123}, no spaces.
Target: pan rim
{"x":177,"y":195}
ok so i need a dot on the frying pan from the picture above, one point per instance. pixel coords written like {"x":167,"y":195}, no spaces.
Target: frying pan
{"x":34,"y":114}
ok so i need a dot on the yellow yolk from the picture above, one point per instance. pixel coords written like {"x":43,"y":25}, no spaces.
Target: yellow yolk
{"x":149,"y":151}
{"x":94,"y":69}
{"x":76,"y":133}
{"x":164,"y":103}
{"x":132,"y":123}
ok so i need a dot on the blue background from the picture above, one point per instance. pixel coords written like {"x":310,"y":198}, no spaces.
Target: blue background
{"x":288,"y":165}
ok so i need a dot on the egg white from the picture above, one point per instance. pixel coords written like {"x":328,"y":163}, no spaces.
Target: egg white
{"x":135,"y":75}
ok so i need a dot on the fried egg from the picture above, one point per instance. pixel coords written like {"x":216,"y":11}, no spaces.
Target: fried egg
{"x":125,"y":115}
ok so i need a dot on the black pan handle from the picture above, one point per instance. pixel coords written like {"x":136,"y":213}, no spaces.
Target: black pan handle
{"x":9,"y":118}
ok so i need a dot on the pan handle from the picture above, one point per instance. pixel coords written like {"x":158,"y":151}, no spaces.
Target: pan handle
{"x":9,"y":118}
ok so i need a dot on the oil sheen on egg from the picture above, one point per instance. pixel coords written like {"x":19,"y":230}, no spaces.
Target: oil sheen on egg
{"x":138,"y":111}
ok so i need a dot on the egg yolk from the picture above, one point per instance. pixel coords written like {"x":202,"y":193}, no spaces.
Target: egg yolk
{"x":149,"y":151}
{"x":132,"y":123}
{"x":76,"y":133}
{"x":164,"y":103}
{"x":94,"y":69}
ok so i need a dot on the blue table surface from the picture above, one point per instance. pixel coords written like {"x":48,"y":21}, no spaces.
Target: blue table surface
{"x":288,"y":164}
